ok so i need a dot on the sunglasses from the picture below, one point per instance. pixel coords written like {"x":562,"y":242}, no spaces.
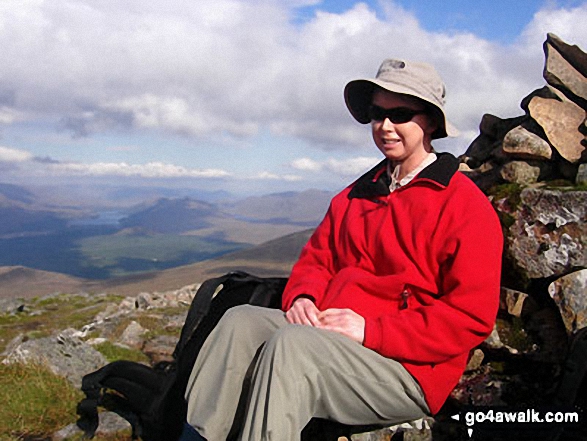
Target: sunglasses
{"x":397,"y":115}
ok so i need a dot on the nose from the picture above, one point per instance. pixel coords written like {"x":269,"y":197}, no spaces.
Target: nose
{"x":387,"y":125}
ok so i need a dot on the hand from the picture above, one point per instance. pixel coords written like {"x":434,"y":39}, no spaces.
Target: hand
{"x":344,"y":321}
{"x":303,"y":312}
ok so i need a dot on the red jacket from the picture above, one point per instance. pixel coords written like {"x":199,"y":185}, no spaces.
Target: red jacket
{"x":421,"y":265}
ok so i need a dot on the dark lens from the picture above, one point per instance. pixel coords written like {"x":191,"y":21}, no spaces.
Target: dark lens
{"x":376,"y":113}
{"x":398,"y":115}
{"x":401,"y":115}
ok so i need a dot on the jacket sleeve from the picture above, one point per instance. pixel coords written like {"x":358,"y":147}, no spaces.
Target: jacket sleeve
{"x":462,"y":314}
{"x":315,"y":267}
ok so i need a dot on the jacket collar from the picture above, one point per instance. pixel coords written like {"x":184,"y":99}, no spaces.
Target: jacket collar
{"x":376,"y":181}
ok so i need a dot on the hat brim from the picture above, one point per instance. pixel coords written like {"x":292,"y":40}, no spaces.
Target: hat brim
{"x":358,"y":96}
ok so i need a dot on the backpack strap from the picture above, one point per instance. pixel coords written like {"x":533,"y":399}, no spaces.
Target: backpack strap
{"x":201,"y":305}
{"x":136,"y":387}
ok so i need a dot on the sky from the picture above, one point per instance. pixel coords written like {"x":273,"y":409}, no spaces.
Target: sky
{"x":244,"y":95}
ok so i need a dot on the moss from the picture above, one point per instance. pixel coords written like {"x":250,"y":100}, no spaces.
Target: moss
{"x":510,"y":191}
{"x":564,"y":185}
{"x":114,"y":352}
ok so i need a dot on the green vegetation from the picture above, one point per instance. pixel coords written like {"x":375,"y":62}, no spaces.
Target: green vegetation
{"x":511,"y":192}
{"x":52,"y":314}
{"x":118,"y":255}
{"x":114,"y":352}
{"x":35,"y":402}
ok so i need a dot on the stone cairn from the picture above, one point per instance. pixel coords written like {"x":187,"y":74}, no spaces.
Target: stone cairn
{"x":534,"y":170}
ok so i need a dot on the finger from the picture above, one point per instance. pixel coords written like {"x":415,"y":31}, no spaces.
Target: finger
{"x":311,"y":315}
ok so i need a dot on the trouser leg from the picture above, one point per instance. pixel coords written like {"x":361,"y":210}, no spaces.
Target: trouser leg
{"x":216,"y":382}
{"x":304,"y":372}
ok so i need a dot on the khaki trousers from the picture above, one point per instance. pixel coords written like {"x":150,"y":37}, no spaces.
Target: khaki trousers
{"x":260,"y":376}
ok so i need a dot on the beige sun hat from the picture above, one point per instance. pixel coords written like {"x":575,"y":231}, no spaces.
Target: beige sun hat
{"x":400,"y":76}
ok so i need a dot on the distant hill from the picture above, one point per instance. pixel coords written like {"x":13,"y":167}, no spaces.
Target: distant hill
{"x":272,"y":258}
{"x":173,"y":216}
{"x":100,"y":242}
{"x":302,"y":208}
{"x":22,"y":213}
{"x":18,"y":281}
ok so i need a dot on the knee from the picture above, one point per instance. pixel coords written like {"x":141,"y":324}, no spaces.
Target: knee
{"x":237,"y":317}
{"x":293,"y":337}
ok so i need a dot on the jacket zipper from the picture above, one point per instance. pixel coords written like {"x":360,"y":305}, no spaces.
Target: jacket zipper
{"x":405,"y":294}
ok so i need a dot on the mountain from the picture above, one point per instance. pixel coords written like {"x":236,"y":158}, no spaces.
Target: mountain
{"x":18,"y":281}
{"x":173,"y":216}
{"x":24,"y":213}
{"x":302,"y":208}
{"x":272,"y":258}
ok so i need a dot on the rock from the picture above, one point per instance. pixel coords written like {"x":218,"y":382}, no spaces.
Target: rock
{"x":133,"y":335}
{"x":496,"y":127}
{"x":581,"y":178}
{"x":12,"y":306}
{"x":522,"y":143}
{"x":512,"y":301}
{"x":63,"y":354}
{"x":521,"y":172}
{"x":160,"y":348}
{"x":143,"y":300}
{"x":479,"y":388}
{"x":570,"y":294}
{"x":560,"y":119}
{"x":110,"y":424}
{"x":475,"y":360}
{"x":480,"y":150}
{"x":549,"y":233}
{"x":566,"y":69}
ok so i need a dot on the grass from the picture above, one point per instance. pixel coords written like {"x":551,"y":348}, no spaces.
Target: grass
{"x":52,"y":314}
{"x":114,"y":352}
{"x":35,"y":402}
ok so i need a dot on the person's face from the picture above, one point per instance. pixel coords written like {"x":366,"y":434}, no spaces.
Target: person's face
{"x":409,"y":137}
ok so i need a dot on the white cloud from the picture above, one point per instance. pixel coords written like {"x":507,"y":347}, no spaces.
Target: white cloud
{"x":238,"y":67}
{"x":343,"y":167}
{"x":8,"y":154}
{"x":265,"y":175}
{"x":149,"y":170}
{"x":306,"y":164}
{"x":25,"y":161}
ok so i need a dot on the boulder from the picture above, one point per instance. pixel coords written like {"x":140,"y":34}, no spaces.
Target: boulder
{"x":522,"y":172}
{"x":522,"y":143}
{"x":560,"y":119}
{"x":133,"y":335}
{"x":64,"y":354}
{"x":566,"y":69}
{"x":160,"y":348}
{"x":570,"y":294}
{"x":110,"y":425}
{"x":548,"y":236}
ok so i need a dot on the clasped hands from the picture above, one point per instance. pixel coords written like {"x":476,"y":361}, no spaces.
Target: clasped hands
{"x":344,"y":321}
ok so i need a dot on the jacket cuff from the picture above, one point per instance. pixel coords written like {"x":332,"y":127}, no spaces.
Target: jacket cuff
{"x":301,"y":296}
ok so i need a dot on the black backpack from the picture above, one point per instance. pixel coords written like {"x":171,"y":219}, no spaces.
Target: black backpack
{"x":152,"y":399}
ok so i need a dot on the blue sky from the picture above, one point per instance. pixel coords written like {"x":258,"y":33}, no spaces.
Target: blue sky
{"x":244,"y":95}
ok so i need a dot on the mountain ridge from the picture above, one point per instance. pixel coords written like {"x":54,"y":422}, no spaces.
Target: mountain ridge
{"x":272,"y":258}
